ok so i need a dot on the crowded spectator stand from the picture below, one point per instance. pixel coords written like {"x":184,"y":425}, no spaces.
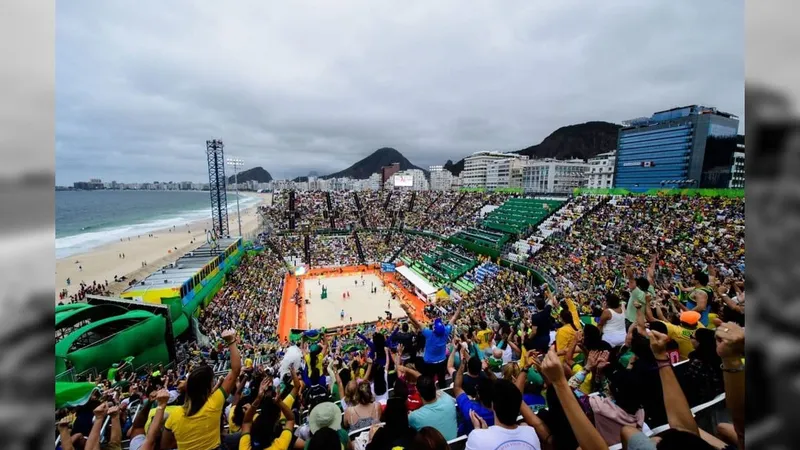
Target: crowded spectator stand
{"x":507,"y":358}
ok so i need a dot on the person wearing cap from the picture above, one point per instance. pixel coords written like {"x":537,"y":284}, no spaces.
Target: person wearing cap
{"x":327,"y":415}
{"x":435,"y":354}
{"x":682,"y":334}
{"x":531,"y":384}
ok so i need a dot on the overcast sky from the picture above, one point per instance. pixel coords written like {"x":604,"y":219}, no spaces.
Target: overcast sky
{"x":299,"y":86}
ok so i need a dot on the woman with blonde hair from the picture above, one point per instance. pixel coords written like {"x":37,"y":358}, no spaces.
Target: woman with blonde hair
{"x":365,"y":411}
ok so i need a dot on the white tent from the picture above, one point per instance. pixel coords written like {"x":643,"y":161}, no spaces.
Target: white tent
{"x":425,"y":290}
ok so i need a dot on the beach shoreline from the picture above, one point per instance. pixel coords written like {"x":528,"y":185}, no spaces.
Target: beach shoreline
{"x":156,"y":249}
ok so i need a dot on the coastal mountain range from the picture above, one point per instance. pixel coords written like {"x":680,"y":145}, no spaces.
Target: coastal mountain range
{"x":582,"y":141}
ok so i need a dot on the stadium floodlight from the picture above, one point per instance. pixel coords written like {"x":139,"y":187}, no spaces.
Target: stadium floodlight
{"x":237,"y":164}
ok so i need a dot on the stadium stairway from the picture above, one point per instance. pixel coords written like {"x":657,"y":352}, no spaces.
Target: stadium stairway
{"x":360,"y":251}
{"x":330,"y":210}
{"x":413,"y":199}
{"x":388,"y":199}
{"x":360,"y":213}
{"x":455,"y":205}
{"x":307,"y":249}
{"x":292,"y":212}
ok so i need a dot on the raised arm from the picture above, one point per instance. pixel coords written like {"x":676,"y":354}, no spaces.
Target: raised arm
{"x":730,"y":347}
{"x":458,"y":382}
{"x":100,"y":414}
{"x":456,"y":315}
{"x":231,"y":338}
{"x":63,"y":432}
{"x":411,"y":318}
{"x":162,"y":397}
{"x":723,"y":294}
{"x":247,"y":422}
{"x":587,"y":435}
{"x":530,"y":418}
{"x":679,"y":414}
{"x":651,"y":269}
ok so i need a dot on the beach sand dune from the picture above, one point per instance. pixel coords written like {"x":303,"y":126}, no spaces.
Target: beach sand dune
{"x":165,"y":246}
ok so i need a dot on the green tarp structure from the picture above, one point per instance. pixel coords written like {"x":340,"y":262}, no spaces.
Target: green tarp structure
{"x":69,"y":394}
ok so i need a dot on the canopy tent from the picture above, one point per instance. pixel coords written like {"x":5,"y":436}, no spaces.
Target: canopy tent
{"x":422,"y":285}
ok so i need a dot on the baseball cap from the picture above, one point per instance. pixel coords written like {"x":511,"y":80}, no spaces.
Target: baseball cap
{"x":438,"y":327}
{"x":690,"y":317}
{"x":325,"y":415}
{"x":534,"y":377}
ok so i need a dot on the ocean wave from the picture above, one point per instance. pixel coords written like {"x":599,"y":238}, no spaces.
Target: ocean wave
{"x":83,"y":242}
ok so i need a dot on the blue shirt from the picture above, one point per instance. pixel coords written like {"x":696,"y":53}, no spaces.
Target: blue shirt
{"x":440,"y":414}
{"x":436,"y":346}
{"x":535,"y":401}
{"x":465,"y":405}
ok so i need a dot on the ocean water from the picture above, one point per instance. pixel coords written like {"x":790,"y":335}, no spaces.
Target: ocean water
{"x":88,"y":219}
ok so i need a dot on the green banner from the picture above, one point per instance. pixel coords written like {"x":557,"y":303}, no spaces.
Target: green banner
{"x":730,"y":193}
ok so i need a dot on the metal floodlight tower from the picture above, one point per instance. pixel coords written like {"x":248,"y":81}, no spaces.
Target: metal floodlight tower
{"x":217,"y":187}
{"x":237,"y":164}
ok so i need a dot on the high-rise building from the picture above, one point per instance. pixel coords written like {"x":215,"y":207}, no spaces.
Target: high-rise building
{"x":388,"y":171}
{"x":553,"y":176}
{"x":505,"y":173}
{"x":667,"y":149}
{"x":441,"y":178}
{"x":601,"y":171}
{"x":408,"y":180}
{"x":475,"y":165}
{"x":737,"y":169}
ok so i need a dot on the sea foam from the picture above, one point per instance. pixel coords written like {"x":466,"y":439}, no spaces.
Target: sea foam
{"x":83,"y":242}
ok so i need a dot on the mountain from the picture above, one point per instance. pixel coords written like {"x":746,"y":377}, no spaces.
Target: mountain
{"x":373,"y":163}
{"x":582,"y":141}
{"x":257,"y":174}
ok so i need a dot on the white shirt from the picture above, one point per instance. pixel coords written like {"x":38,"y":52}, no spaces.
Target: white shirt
{"x":521,"y":438}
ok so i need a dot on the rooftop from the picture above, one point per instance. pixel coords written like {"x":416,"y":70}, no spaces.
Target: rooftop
{"x":175,"y":274}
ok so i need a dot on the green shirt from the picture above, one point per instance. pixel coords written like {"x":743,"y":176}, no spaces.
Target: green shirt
{"x":637,"y":298}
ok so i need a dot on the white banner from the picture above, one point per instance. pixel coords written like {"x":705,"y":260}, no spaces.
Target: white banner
{"x":404,"y":180}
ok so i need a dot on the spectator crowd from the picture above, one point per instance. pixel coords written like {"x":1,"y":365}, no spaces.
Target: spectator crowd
{"x":644,"y":322}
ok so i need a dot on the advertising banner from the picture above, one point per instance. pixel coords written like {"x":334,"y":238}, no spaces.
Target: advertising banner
{"x":404,"y":180}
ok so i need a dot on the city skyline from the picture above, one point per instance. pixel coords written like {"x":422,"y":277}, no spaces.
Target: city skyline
{"x":296,"y":89}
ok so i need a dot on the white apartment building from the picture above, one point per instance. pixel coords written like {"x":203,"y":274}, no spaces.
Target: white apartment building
{"x":601,"y":170}
{"x":474,"y":173}
{"x":554,"y":176}
{"x":505,"y":173}
{"x":441,"y":178}
{"x":420,"y":183}
{"x":737,"y":169}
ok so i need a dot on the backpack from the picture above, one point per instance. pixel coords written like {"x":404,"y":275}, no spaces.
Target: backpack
{"x":315,"y":395}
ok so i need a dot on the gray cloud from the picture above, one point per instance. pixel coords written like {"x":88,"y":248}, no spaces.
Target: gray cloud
{"x":302,"y":86}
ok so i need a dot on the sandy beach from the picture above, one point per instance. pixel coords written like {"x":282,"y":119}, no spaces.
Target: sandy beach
{"x":103,"y":263}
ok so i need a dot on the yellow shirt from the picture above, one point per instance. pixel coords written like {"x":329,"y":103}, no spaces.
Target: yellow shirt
{"x":167,"y":412}
{"x":564,"y":336}
{"x":248,"y":363}
{"x":232,"y":426}
{"x":281,"y":443}
{"x":202,"y":430}
{"x":482,"y":338}
{"x":683,"y":337}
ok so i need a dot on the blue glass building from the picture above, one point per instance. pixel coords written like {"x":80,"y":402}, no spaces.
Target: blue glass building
{"x":668,"y":148}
